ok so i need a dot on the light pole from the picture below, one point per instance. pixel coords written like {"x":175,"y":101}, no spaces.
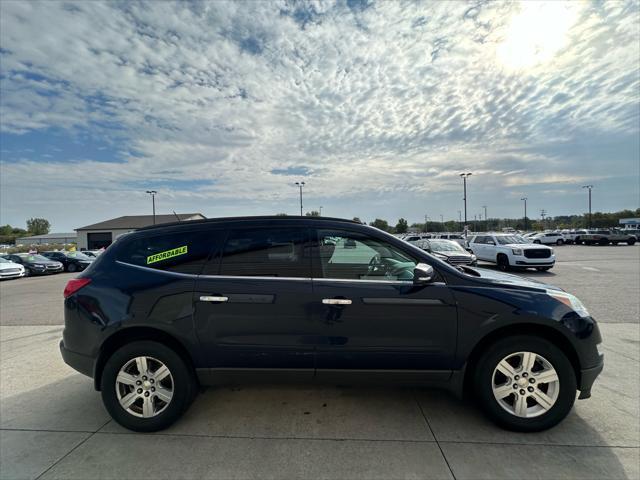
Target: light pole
{"x":153,"y":202}
{"x":589,"y":187}
{"x":442,"y":222}
{"x":464,"y":181}
{"x":460,"y":219}
{"x":320,"y":210}
{"x":486,"y":222}
{"x":300,"y":185}
{"x":524,"y":199}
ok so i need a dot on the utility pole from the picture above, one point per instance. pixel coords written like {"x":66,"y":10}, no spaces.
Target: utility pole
{"x":464,"y":181}
{"x":442,"y":222}
{"x":543,"y":213}
{"x":524,"y":199}
{"x":426,"y":221}
{"x":320,"y":210}
{"x":300,"y":185}
{"x":486,"y":222}
{"x":153,"y":203}
{"x":589,"y":187}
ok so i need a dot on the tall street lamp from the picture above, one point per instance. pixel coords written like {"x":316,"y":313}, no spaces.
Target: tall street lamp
{"x":524,"y":199}
{"x":153,"y":203}
{"x":464,"y":181}
{"x":320,"y":210}
{"x":589,"y":187}
{"x":300,"y":185}
{"x":486,"y":222}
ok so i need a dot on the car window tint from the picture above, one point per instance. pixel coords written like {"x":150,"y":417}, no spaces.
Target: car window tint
{"x":266,"y":252}
{"x":183,"y":252}
{"x":355,"y":256}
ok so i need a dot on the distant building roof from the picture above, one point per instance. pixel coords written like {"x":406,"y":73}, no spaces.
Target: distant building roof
{"x":630,"y":221}
{"x":47,"y":236}
{"x":139,"y":221}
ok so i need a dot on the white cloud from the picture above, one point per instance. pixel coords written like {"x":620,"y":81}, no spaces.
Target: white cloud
{"x":396,"y":97}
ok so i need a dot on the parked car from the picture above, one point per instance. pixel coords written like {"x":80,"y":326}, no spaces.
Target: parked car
{"x":416,"y":237}
{"x":72,"y":261}
{"x":573,"y":236}
{"x":9,"y":269}
{"x":605,"y":237}
{"x":92,"y":253}
{"x":35,"y":264}
{"x":548,"y":238}
{"x":509,"y":251}
{"x":171,"y":307}
{"x":447,"y":250}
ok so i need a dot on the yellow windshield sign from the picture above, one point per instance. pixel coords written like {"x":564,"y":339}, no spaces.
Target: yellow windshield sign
{"x":167,"y":254}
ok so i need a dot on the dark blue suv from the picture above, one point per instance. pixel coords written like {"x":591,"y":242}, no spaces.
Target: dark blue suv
{"x":170,"y":308}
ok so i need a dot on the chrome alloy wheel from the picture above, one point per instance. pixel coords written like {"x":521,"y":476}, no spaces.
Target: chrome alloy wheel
{"x":525,"y":384}
{"x":144,"y":387}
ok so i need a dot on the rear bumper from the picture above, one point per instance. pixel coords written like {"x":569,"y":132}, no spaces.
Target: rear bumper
{"x":77,"y":361}
{"x":588,"y":377}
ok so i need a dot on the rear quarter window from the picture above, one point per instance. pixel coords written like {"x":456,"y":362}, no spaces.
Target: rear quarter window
{"x":182,"y":252}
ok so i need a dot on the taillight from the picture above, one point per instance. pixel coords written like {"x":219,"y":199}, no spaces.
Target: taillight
{"x":74,"y":285}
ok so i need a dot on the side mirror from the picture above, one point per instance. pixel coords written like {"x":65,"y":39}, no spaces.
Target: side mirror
{"x":423,"y":273}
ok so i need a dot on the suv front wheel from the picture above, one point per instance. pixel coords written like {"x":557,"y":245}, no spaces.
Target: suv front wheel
{"x":146,"y":386}
{"x":525,"y":383}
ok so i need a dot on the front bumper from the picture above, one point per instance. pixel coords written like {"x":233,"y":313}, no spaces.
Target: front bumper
{"x":588,"y":377}
{"x":534,"y":263}
{"x":77,"y":361}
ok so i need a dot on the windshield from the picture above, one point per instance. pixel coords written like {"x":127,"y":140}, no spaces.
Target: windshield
{"x":509,"y":239}
{"x":33,"y":258}
{"x":445,"y":246}
{"x":4,"y":260}
{"x":78,"y":255}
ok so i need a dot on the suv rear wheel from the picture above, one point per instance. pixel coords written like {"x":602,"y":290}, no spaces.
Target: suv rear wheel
{"x":525,"y":383}
{"x":146,"y":386}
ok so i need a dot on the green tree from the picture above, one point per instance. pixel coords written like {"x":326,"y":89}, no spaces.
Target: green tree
{"x":402,"y":226}
{"x":38,"y":226}
{"x":6,"y":230}
{"x":381,"y":224}
{"x":281,"y":214}
{"x":313,"y":213}
{"x":357,"y":219}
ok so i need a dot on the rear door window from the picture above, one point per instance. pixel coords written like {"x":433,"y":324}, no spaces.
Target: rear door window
{"x":182,"y":252}
{"x":267,"y":252}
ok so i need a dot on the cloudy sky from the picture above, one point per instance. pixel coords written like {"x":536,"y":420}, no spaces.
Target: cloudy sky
{"x":377,"y":106}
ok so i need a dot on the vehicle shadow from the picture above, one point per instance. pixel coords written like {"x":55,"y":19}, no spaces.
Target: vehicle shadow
{"x":519,"y":271}
{"x":319,"y":412}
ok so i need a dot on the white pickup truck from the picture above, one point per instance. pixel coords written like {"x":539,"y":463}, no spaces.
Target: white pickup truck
{"x":509,"y":251}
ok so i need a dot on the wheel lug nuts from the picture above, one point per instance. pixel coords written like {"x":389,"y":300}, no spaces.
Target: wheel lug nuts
{"x":144,"y":377}
{"x":139,"y":390}
{"x":521,"y":392}
{"x":515,"y":385}
{"x":530,"y":389}
{"x":152,"y":381}
{"x":138,"y":382}
{"x":525,"y":374}
{"x":146,"y":394}
{"x":532,"y":380}
{"x":153,"y":389}
{"x":517,"y":377}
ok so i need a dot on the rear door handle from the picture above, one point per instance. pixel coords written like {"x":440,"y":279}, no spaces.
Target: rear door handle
{"x":336,"y":301}
{"x":213,"y":298}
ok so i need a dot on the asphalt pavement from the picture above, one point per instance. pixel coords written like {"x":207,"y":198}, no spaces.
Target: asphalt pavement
{"x":53,"y":424}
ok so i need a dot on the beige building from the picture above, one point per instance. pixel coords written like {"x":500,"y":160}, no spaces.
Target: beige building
{"x":102,"y":234}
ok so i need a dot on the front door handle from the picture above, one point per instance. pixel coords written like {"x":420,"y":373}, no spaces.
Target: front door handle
{"x":213,"y":298}
{"x":336,"y":301}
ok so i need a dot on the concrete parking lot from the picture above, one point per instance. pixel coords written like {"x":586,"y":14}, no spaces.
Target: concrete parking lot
{"x":53,"y":425}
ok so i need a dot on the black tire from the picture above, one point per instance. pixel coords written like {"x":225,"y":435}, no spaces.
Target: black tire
{"x":72,"y":268}
{"x":543,"y":269}
{"x":483,"y":381}
{"x":536,"y":242}
{"x":603,"y":242}
{"x":631,"y":241}
{"x":577,"y":241}
{"x":560,"y":242}
{"x":184,"y":386}
{"x":503,"y":262}
{"x":27,"y":272}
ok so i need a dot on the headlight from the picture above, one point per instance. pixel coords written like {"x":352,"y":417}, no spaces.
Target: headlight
{"x":551,"y":251}
{"x":38,"y":265}
{"x":473,"y":258}
{"x":517,"y":251}
{"x":570,"y":301}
